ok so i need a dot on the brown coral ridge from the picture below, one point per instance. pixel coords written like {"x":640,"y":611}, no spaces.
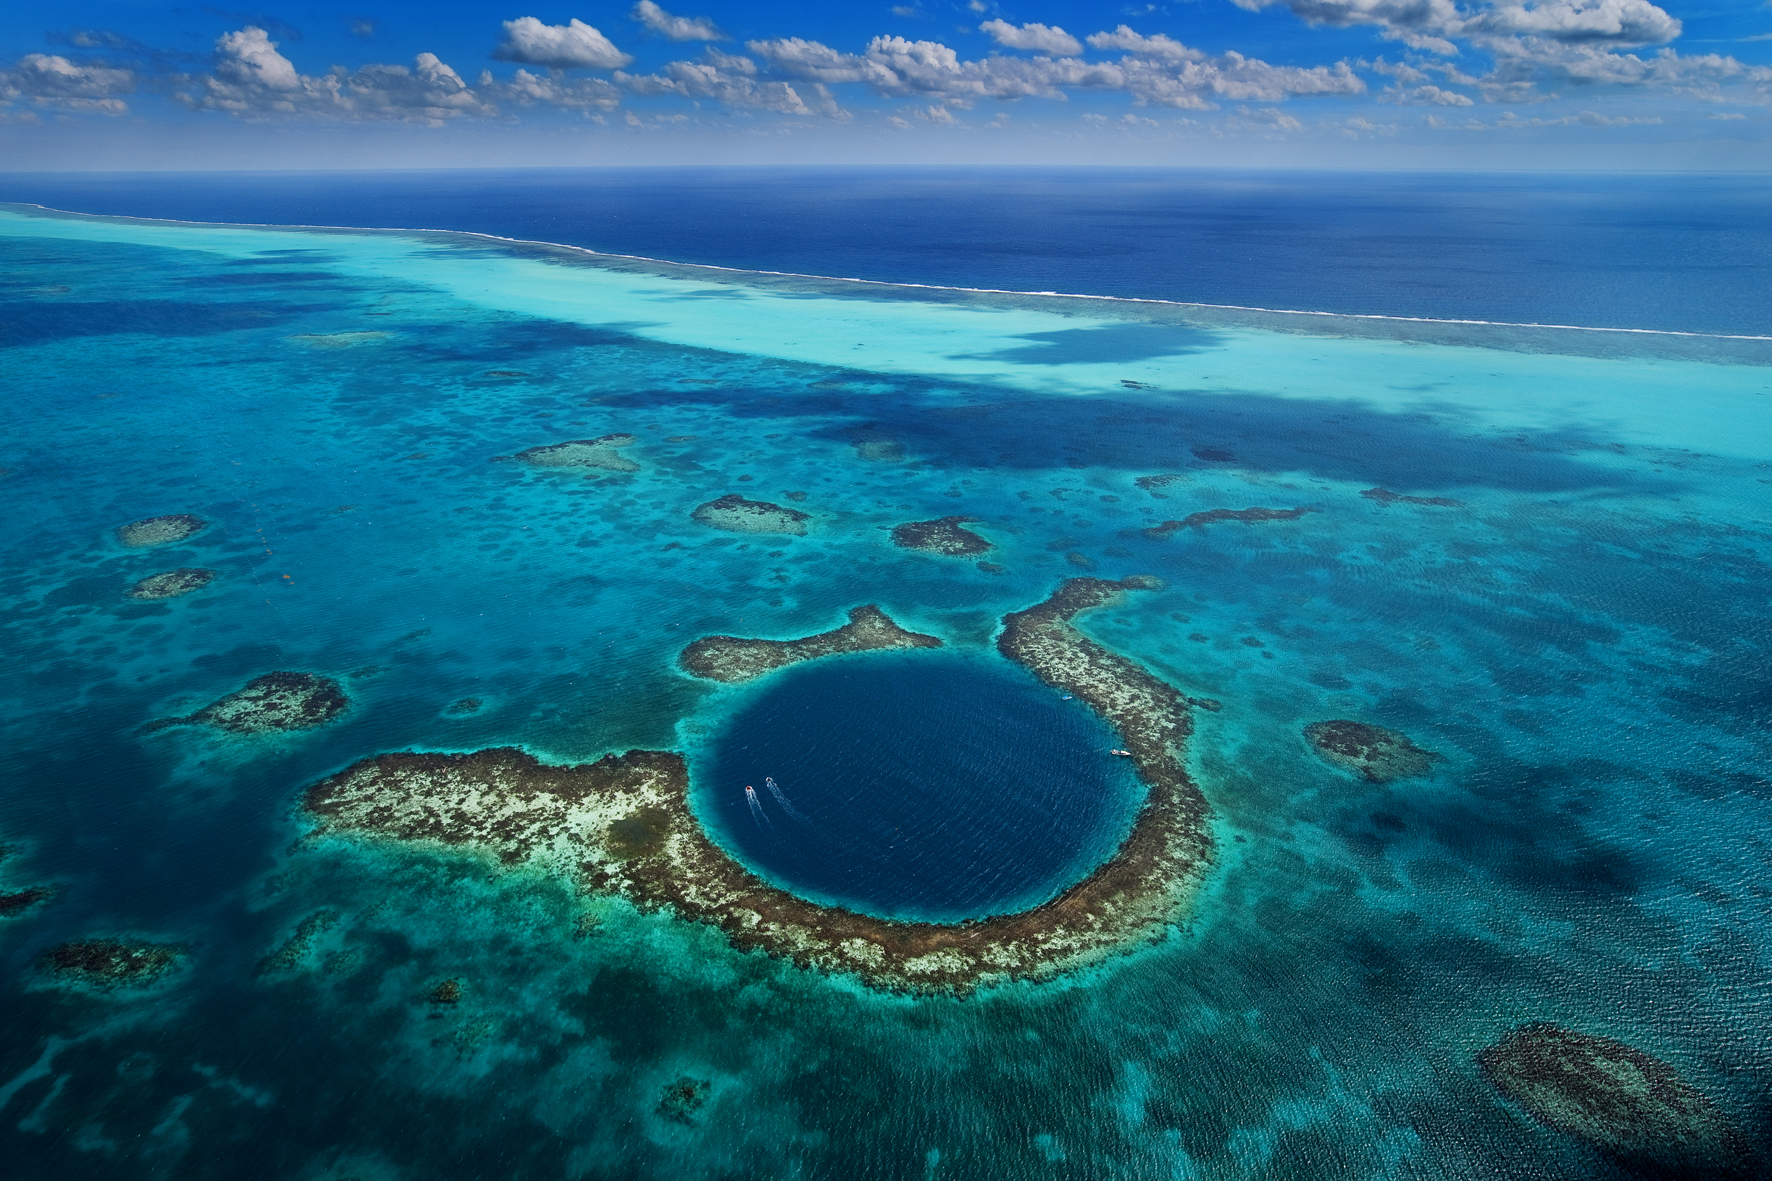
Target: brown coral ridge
{"x":1386,"y":496}
{"x":153,"y":531}
{"x":1248,"y":515}
{"x":1628,"y":1104}
{"x":596,"y":453}
{"x":623,"y":825}
{"x":732,"y":658}
{"x":944,"y":536}
{"x":1379,"y":755}
{"x":19,"y":901}
{"x":273,"y":702}
{"x":735,"y":514}
{"x":112,"y":963}
{"x":172,"y":583}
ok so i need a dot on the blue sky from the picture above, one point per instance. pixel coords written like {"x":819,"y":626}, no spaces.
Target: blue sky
{"x":1355,"y":83}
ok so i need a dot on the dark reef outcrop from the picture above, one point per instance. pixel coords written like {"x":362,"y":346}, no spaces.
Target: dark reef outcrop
{"x":1386,"y":496}
{"x":943,"y":536}
{"x":683,"y":1098}
{"x":733,"y":658}
{"x":153,"y":531}
{"x":623,"y":825}
{"x":19,"y":901}
{"x":295,"y":949}
{"x":111,"y":963}
{"x":1247,"y":515}
{"x":275,"y":701}
{"x":1628,"y":1104}
{"x":738,"y":515}
{"x":172,"y":583}
{"x":593,"y":453}
{"x":1378,"y":754}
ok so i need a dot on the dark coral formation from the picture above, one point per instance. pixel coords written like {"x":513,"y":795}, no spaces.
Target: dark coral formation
{"x":1386,"y":496}
{"x":467,"y":705}
{"x":1626,"y":1103}
{"x":275,"y":701}
{"x":1247,"y":515}
{"x":623,"y":825}
{"x":594,"y":453}
{"x":738,"y":515}
{"x":112,"y":963}
{"x":152,"y":531}
{"x":1151,"y":483}
{"x":732,"y":658}
{"x":172,"y":583}
{"x":944,"y":536}
{"x":19,"y":901}
{"x":296,"y":947}
{"x":683,"y":1098}
{"x":1214,"y":454}
{"x":446,"y":993}
{"x":1378,"y":754}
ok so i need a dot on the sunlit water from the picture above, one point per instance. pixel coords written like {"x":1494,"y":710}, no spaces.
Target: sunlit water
{"x":1582,"y":637}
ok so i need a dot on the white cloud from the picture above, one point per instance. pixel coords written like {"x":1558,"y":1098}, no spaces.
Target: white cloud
{"x":561,"y":47}
{"x":1266,"y":119}
{"x":252,"y":79}
{"x":526,"y":89}
{"x":1728,"y":115}
{"x":677,"y":28}
{"x":1425,"y":96}
{"x":731,"y":79}
{"x":1041,"y":38}
{"x":48,"y":80}
{"x":1159,"y":46}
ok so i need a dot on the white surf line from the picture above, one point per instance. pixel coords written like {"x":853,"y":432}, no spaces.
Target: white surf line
{"x":708,"y":266}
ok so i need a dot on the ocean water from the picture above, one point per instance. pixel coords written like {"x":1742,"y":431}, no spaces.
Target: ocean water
{"x":1582,"y":637}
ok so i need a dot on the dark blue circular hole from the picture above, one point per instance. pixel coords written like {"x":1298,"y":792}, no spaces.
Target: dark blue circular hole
{"x":932,"y":785}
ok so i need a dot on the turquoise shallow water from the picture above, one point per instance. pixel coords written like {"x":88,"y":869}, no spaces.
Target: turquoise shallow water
{"x":1582,"y":638}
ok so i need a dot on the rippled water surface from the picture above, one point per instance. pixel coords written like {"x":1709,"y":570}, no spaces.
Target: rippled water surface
{"x":1543,"y":556}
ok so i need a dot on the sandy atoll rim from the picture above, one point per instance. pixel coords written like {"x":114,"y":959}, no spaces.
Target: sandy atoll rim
{"x":623,"y":824}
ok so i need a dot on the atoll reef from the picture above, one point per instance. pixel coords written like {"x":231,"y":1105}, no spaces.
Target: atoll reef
{"x":296,"y":947}
{"x":19,"y":901}
{"x":733,"y":512}
{"x":172,"y":583}
{"x":337,"y":340}
{"x":152,"y":531}
{"x":879,"y":450}
{"x":733,"y":658}
{"x":111,"y":963}
{"x":1386,"y":496}
{"x":1379,"y":755}
{"x":594,"y":453}
{"x":1152,"y":483}
{"x":944,"y":536}
{"x":623,"y":825}
{"x":1209,"y":516}
{"x":683,"y":1098}
{"x":275,"y":701}
{"x":1626,"y":1103}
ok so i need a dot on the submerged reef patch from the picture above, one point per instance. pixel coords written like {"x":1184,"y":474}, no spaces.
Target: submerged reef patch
{"x":733,"y":658}
{"x":275,"y":701}
{"x":296,"y":947}
{"x":19,"y":901}
{"x":1386,"y":496}
{"x":623,"y":825}
{"x":1378,"y":754}
{"x":111,"y":963}
{"x":597,"y":453}
{"x":1628,"y":1104}
{"x":1248,"y":515}
{"x":153,"y":531}
{"x":338,"y":340}
{"x":172,"y":583}
{"x":733,"y":512}
{"x":683,"y":1098}
{"x":944,"y":536}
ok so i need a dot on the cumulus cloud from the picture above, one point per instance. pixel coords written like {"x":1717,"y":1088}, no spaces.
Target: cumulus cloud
{"x":561,"y":47}
{"x":527,"y":90}
{"x":677,"y":28}
{"x":732,"y":79}
{"x":1041,"y":38}
{"x":48,"y":80}
{"x":252,"y":79}
{"x":1425,"y":96}
{"x":1160,"y":46}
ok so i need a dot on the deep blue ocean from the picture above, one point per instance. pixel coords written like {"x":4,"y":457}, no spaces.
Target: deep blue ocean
{"x":1544,"y":554}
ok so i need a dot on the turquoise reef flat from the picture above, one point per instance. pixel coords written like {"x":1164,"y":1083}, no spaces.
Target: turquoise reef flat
{"x":1437,"y":653}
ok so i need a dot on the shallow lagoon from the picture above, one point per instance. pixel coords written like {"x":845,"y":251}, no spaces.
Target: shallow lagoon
{"x":1582,"y":638}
